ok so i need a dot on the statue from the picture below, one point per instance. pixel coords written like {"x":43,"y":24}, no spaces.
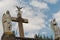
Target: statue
{"x":54,"y":27}
{"x":6,"y":21}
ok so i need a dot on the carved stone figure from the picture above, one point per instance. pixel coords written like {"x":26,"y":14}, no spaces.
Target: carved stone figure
{"x":54,"y":27}
{"x":6,"y":21}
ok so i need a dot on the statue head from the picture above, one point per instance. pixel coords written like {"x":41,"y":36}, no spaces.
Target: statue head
{"x":7,"y":12}
{"x":54,"y":20}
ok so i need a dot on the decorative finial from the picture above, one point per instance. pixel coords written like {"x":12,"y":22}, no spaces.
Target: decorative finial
{"x":19,"y":8}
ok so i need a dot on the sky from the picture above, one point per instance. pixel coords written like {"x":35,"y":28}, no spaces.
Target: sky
{"x":38,"y":12}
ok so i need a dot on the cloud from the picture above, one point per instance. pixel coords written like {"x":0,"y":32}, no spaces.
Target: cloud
{"x":35,"y":18}
{"x":51,"y":1}
{"x":7,"y":3}
{"x":35,"y":21}
{"x":57,"y":16}
{"x":41,"y":5}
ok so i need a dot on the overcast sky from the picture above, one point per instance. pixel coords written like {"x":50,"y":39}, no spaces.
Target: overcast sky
{"x":38,"y":12}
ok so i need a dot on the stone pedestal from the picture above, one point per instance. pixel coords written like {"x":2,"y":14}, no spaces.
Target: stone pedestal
{"x":8,"y":36}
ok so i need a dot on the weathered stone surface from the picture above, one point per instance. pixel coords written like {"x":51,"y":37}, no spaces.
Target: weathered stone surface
{"x":6,"y":21}
{"x":8,"y":37}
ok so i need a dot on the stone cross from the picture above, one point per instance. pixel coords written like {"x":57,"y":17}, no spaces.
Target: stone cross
{"x":20,"y":20}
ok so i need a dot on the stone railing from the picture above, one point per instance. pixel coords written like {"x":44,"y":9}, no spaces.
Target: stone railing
{"x":18,"y":38}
